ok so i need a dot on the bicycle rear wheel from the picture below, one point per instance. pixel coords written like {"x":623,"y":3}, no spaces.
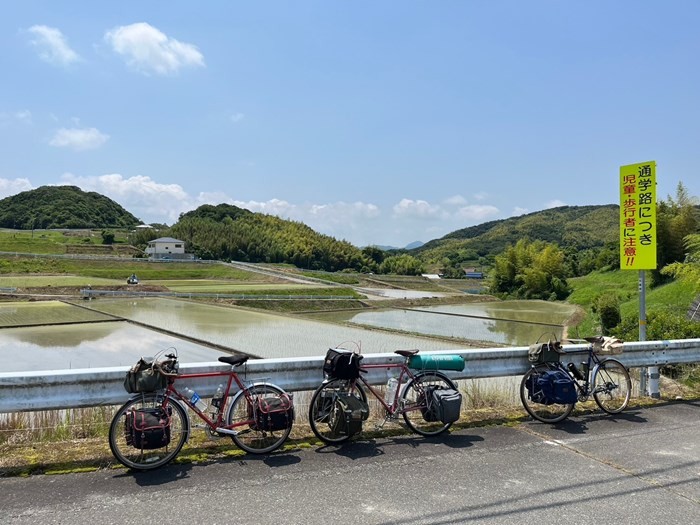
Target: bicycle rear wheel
{"x":323,"y":410}
{"x":611,"y":386}
{"x":414,"y":403}
{"x":250,"y":436}
{"x":121,"y":438}
{"x":550,"y":413}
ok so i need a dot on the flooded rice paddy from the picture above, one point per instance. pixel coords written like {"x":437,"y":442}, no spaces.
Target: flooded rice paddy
{"x":512,"y":323}
{"x":158,"y":324}
{"x":115,"y":332}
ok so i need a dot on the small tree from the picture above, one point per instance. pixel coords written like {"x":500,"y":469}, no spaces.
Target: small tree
{"x":607,"y":306}
{"x":107,"y":237}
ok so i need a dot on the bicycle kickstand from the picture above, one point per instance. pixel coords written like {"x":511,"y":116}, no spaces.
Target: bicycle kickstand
{"x":387,"y":417}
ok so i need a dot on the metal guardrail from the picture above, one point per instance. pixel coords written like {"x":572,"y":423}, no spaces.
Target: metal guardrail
{"x":62,"y":389}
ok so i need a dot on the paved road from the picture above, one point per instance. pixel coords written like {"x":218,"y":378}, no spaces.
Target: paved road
{"x":641,"y":467}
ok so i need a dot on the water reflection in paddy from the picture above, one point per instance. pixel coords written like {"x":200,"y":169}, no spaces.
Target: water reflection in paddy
{"x":93,"y":345}
{"x":260,"y":334}
{"x":514,"y":323}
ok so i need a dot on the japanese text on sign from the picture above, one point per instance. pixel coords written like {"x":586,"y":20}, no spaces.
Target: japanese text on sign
{"x":638,"y":216}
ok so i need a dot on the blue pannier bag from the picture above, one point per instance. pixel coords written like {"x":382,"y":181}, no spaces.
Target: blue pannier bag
{"x":552,"y":387}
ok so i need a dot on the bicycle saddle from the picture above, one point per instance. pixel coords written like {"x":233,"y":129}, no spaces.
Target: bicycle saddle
{"x":406,"y":353}
{"x":234,"y":360}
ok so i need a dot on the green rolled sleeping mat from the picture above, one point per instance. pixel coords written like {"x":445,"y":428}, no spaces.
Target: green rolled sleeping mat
{"x":436,"y":362}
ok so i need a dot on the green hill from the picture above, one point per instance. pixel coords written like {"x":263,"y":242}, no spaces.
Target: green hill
{"x":571,"y":227}
{"x":227,"y":232}
{"x":62,"y":207}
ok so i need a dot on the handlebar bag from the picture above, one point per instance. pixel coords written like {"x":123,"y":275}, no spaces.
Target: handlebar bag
{"x":342,"y":364}
{"x":144,"y":376}
{"x":544,"y":352}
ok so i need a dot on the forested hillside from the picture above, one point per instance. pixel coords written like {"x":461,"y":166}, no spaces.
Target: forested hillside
{"x":62,"y":207}
{"x":571,"y":227}
{"x":227,"y":232}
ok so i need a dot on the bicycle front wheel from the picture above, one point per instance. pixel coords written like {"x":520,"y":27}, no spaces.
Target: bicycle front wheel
{"x":531,"y":398}
{"x":414,"y":403}
{"x":132,"y":448}
{"x":250,"y":435}
{"x":611,"y":386}
{"x":323,"y":410}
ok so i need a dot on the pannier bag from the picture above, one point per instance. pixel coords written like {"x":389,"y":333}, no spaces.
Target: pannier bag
{"x":548,"y":352}
{"x":147,"y":428}
{"x":436,"y":362}
{"x":342,"y":364}
{"x":144,"y":376}
{"x":272,"y":413}
{"x":552,"y":387}
{"x":442,"y":404}
{"x":347,"y":414}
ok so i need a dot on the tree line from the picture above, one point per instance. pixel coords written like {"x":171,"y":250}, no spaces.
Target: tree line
{"x":226,"y":232}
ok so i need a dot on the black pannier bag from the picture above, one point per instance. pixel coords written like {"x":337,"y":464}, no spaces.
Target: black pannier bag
{"x":272,"y":412}
{"x":552,"y":387}
{"x":347,"y":414}
{"x":442,"y":404}
{"x":342,"y":364}
{"x":144,"y":376}
{"x":147,"y":428}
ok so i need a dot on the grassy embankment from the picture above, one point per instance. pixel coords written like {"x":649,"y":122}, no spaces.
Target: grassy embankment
{"x":675,"y":297}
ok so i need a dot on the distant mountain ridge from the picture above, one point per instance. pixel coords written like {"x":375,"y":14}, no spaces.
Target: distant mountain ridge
{"x":576,"y":227}
{"x":261,"y":237}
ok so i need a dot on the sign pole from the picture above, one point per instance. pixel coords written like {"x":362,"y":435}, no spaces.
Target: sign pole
{"x":638,"y":243}
{"x":643,"y":325}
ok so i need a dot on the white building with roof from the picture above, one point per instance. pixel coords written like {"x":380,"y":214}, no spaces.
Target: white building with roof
{"x":167,"y":248}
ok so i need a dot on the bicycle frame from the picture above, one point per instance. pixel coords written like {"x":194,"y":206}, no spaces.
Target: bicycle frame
{"x":405,"y":375}
{"x":217,"y":424}
{"x":593,"y":362}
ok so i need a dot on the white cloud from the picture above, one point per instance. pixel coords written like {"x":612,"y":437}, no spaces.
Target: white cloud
{"x":480,"y":196}
{"x":23,"y":117}
{"x":237,"y":117}
{"x":79,"y":139}
{"x":148,"y":50}
{"x":140,"y":195}
{"x":52,"y":46}
{"x":519,"y":211}
{"x":409,"y":208}
{"x":477,"y":212}
{"x":455,"y":200}
{"x":13,"y":186}
{"x":554,"y":204}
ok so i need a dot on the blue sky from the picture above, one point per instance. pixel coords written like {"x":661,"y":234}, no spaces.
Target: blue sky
{"x":375,"y":122}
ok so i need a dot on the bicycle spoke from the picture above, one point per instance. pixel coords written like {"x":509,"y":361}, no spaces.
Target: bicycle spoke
{"x":323,"y":415}
{"x":534,"y":402}
{"x":248,"y":420}
{"x":415,"y":403}
{"x":611,"y":386}
{"x":143,"y":456}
